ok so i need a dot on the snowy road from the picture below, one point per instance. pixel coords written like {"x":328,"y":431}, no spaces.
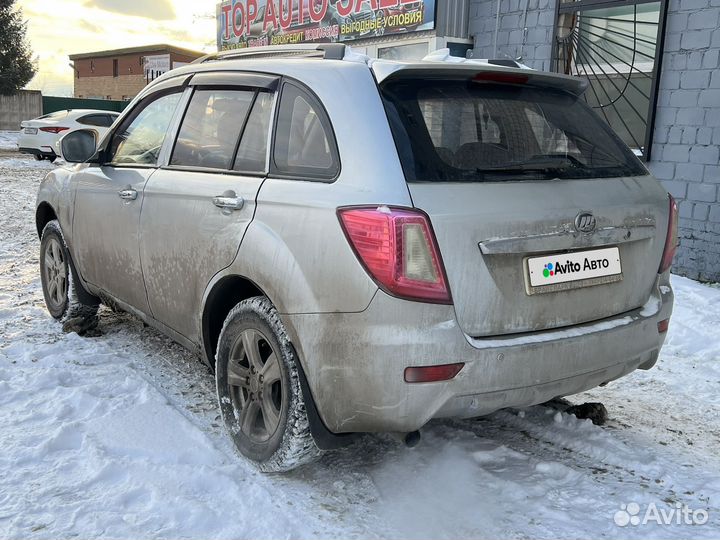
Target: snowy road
{"x":118,"y":436}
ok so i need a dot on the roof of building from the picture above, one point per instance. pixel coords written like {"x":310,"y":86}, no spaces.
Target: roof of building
{"x":160,"y":48}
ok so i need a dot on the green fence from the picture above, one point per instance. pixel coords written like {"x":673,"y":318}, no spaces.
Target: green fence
{"x":52,"y":104}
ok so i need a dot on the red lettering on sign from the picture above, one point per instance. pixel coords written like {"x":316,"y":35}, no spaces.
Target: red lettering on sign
{"x":226,"y":17}
{"x":344,"y":9}
{"x":270,"y":15}
{"x":385,"y":4}
{"x":251,"y":14}
{"x":301,"y":12}
{"x":317,"y":16}
{"x":237,"y":25}
{"x":286,"y":13}
{"x":373,"y":5}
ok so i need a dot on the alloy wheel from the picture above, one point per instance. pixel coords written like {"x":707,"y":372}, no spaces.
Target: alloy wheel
{"x":255,"y":385}
{"x":56,"y":273}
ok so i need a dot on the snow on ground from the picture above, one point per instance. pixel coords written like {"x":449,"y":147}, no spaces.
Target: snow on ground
{"x":9,"y":140}
{"x":118,"y":436}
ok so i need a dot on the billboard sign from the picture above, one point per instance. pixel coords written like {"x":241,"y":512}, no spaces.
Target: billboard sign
{"x":156,"y":65}
{"x":254,"y":23}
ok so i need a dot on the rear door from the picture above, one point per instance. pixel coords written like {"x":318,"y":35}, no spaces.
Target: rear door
{"x":523,"y":185}
{"x":198,"y":206}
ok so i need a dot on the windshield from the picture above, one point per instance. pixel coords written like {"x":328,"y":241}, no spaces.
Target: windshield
{"x":461,"y":130}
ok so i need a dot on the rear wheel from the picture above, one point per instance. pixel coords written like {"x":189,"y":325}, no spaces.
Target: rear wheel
{"x":258,"y":387}
{"x":56,"y":275}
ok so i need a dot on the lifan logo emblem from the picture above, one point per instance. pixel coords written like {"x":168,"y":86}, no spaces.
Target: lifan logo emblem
{"x":585,"y":222}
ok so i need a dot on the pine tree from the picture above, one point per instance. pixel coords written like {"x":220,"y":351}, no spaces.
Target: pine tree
{"x":16,"y":67}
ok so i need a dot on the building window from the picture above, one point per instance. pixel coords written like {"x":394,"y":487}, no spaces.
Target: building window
{"x":116,"y":68}
{"x":617,"y":46}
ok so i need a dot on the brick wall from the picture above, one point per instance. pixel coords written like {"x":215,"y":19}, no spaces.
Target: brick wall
{"x":94,"y":76}
{"x":115,"y":87}
{"x":533,"y":44}
{"x":686,"y":150}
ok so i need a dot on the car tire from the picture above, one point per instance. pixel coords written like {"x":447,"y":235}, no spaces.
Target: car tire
{"x":259,"y":392}
{"x":38,"y":157}
{"x":63,"y":299}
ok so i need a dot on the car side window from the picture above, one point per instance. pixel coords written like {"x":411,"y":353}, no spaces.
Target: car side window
{"x":211,"y":128}
{"x":304,"y":142}
{"x":99,"y":120}
{"x":252,"y":151}
{"x":140,"y":139}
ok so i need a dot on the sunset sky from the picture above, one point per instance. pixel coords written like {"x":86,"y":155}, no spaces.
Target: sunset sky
{"x":62,"y":27}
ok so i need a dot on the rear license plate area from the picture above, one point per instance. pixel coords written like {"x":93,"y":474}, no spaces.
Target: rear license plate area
{"x":563,"y":271}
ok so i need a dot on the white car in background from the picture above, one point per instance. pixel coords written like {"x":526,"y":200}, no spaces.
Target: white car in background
{"x":39,"y":136}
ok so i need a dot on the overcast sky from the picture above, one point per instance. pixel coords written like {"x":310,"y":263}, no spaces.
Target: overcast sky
{"x":58,"y":28}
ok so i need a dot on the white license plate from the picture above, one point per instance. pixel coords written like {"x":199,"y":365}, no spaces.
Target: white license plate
{"x":564,"y":267}
{"x":30,"y":131}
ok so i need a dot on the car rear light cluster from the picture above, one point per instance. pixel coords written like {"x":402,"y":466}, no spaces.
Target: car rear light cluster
{"x":54,"y":129}
{"x":399,"y":250}
{"x":671,"y":238}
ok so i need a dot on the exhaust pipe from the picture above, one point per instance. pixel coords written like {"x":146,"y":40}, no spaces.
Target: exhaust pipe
{"x":410,"y":440}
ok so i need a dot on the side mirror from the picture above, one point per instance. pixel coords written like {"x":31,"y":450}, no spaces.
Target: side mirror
{"x":78,"y":146}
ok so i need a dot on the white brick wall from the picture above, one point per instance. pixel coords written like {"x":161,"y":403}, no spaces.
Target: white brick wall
{"x":686,"y":150}
{"x":536,"y":50}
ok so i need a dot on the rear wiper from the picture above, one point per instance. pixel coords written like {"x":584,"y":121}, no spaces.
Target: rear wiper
{"x":540,"y":163}
{"x":487,"y":175}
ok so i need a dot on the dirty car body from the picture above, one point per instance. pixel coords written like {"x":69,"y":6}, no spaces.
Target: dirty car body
{"x":405,"y":254}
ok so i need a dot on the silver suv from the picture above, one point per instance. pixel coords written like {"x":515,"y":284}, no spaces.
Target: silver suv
{"x":363,"y":246}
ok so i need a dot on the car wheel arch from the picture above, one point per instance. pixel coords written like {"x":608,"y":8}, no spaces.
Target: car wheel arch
{"x":222,"y":296}
{"x":44,"y":214}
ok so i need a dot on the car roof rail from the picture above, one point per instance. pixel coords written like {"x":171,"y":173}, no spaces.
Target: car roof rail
{"x":327,"y":51}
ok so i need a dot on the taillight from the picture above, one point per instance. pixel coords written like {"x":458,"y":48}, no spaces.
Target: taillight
{"x":53,"y":129}
{"x":671,"y":238}
{"x":399,"y":250}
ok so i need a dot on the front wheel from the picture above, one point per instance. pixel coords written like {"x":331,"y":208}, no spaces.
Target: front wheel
{"x":259,"y":391}
{"x":56,"y":275}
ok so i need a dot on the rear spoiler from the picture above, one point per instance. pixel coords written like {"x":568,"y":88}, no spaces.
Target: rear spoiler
{"x":484,"y":71}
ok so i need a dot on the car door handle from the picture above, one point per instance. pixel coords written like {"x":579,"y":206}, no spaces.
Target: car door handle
{"x":228,"y":202}
{"x":128,"y":194}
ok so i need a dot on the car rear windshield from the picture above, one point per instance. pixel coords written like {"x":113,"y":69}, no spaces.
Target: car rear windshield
{"x":466,"y":131}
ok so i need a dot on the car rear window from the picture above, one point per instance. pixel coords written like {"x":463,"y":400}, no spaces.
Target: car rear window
{"x":466,"y":131}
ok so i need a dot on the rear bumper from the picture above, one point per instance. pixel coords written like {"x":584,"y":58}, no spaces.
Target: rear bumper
{"x":355,"y":362}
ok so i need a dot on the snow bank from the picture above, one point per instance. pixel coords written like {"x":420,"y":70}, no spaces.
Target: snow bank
{"x":25,"y":162}
{"x":9,"y":140}
{"x":118,"y":436}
